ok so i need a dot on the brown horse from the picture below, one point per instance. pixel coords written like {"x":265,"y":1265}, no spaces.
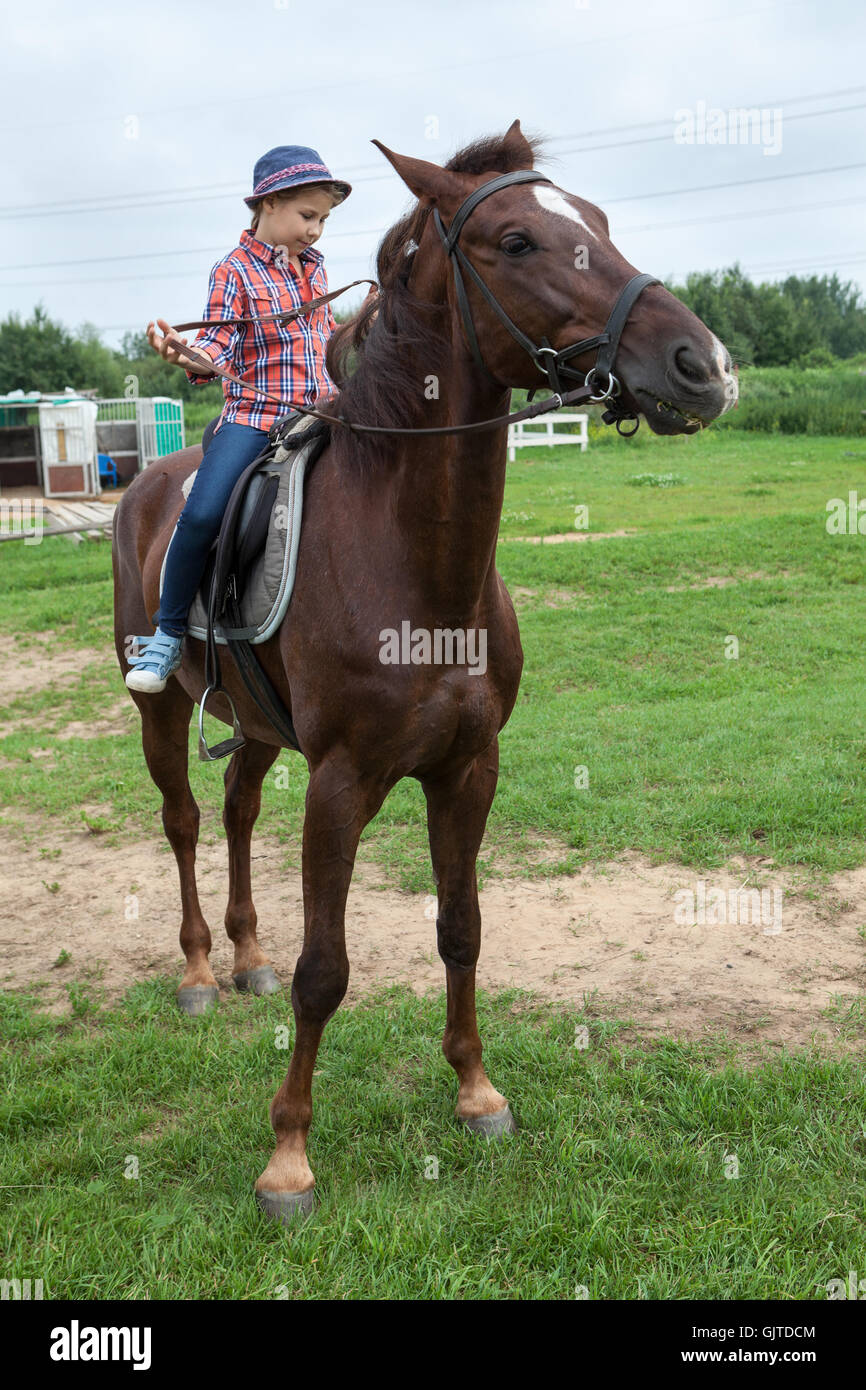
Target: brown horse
{"x":401,"y":528}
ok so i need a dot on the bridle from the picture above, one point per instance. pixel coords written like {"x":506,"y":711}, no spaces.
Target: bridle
{"x":550,"y":361}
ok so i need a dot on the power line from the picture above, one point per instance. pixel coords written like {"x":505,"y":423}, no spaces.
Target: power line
{"x":125,"y":279}
{"x":279,"y":95}
{"x":150,"y":255}
{"x":733,"y":183}
{"x":194,"y":193}
{"x":805,"y":263}
{"x":378,"y":231}
{"x":40,"y":210}
{"x":655,"y":139}
{"x":233,"y":188}
{"x":735,"y":216}
{"x":664,"y":120}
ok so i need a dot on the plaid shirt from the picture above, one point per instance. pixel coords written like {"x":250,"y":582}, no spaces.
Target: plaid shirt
{"x":287,"y":360}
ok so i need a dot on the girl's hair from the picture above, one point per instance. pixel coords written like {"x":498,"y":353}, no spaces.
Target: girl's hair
{"x":288,"y":195}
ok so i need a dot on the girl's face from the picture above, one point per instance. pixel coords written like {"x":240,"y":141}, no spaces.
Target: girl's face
{"x":297,"y":222}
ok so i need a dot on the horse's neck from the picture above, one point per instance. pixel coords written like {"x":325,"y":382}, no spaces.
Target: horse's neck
{"x":448,"y":500}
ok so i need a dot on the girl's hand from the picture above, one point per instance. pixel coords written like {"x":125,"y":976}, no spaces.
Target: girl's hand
{"x":163,"y":345}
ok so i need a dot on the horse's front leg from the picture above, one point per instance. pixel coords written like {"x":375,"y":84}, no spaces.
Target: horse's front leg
{"x":339,"y":805}
{"x":243,"y":785}
{"x":457,"y":808}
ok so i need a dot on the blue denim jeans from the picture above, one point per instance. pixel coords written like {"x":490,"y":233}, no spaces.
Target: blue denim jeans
{"x":231,"y":449}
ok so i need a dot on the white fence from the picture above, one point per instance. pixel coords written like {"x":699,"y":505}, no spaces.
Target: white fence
{"x":532,"y":433}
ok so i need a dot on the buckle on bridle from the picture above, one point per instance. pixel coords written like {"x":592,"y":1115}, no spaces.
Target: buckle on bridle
{"x":613,"y":387}
{"x":538,"y":352}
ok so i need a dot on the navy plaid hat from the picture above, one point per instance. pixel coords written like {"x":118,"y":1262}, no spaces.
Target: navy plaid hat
{"x":291,"y":166}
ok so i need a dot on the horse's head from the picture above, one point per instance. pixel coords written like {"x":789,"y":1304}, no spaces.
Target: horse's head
{"x":547,"y":259}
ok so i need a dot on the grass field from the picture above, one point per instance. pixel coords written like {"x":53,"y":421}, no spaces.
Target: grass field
{"x":666,"y":1173}
{"x":689,"y":753}
{"x":621,"y":1179}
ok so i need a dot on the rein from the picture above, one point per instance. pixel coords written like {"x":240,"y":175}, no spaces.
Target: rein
{"x":554,"y":402}
{"x":554,"y":368}
{"x":270,"y":318}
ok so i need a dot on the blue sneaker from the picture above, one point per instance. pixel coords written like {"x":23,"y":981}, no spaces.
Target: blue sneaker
{"x":161,"y":655}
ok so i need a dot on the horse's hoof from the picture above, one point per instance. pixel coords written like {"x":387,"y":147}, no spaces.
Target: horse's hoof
{"x":286,"y":1207}
{"x":197,"y":999}
{"x":260,"y":980}
{"x":494,"y":1126}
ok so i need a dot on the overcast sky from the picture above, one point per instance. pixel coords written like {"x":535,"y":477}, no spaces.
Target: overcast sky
{"x":131,"y":130}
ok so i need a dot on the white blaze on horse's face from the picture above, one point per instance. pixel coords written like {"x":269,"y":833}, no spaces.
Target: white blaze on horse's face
{"x":732,"y":388}
{"x":554,"y":200}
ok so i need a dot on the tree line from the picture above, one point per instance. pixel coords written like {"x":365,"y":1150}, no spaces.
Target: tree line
{"x":805,"y":321}
{"x":800,"y":321}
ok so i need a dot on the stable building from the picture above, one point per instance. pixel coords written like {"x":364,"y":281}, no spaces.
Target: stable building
{"x":74,"y":444}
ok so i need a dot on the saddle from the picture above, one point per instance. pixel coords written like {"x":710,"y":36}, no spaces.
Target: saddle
{"x":248,"y":578}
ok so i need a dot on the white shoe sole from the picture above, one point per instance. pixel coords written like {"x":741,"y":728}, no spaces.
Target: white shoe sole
{"x":148,"y":682}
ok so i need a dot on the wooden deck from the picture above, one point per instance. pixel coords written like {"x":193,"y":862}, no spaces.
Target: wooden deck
{"x":68,"y":518}
{"x":74,"y":518}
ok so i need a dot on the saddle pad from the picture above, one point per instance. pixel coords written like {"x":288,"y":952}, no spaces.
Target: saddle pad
{"x":265,"y":601}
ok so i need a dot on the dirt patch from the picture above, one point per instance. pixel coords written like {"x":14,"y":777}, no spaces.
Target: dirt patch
{"x":523,"y":597}
{"x":723,"y":581}
{"x":564,"y":537}
{"x":29,"y":664}
{"x":712,"y":581}
{"x":121,"y":718}
{"x":609,"y":934}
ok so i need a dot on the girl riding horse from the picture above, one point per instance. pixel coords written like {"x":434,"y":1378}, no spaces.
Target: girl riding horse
{"x":274,"y":268}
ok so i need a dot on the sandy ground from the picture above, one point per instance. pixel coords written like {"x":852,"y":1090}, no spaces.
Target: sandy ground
{"x":615,"y":936}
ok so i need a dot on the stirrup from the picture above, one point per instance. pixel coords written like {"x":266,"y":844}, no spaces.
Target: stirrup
{"x":228,"y":745}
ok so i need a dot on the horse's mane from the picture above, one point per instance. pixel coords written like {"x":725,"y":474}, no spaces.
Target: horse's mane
{"x":367,"y":357}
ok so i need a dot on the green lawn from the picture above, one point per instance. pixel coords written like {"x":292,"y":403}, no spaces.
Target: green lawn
{"x":689,"y":753}
{"x":662,"y":1173}
{"x":621,"y":1180}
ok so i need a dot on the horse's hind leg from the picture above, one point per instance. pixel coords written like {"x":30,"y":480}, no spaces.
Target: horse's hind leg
{"x":243,"y":783}
{"x":165,"y":738}
{"x":457,"y":809}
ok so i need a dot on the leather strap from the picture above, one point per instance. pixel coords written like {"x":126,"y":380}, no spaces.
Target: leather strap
{"x":483,"y":191}
{"x":285,"y":317}
{"x":608,"y":341}
{"x":550,"y":361}
{"x":556,"y":402}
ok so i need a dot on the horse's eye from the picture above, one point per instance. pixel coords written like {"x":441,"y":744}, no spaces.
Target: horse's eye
{"x":516,"y":245}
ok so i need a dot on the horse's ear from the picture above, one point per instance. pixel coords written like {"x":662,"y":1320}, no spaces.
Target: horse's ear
{"x":518,"y":146}
{"x":425,"y":180}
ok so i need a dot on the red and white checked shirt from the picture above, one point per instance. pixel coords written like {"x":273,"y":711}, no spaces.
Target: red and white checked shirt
{"x":287,"y":360}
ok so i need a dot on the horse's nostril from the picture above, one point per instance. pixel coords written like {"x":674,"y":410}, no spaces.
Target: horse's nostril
{"x":689,"y":365}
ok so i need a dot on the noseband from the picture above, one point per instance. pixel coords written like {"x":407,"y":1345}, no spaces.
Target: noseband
{"x":548,"y":360}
